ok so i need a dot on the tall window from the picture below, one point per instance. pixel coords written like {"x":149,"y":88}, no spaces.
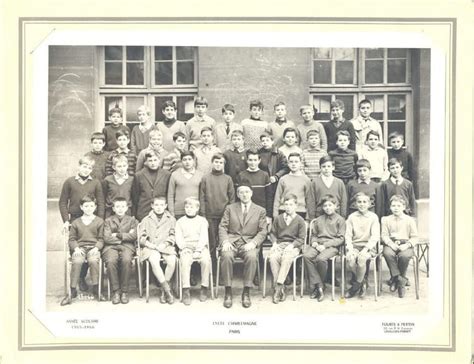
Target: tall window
{"x":131,"y":76}
{"x":381,"y":75}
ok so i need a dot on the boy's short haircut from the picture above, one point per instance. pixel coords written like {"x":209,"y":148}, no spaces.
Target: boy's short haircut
{"x":151,"y":153}
{"x":399,"y":198}
{"x":168,"y":103}
{"x":394,"y":135}
{"x":87,"y":198}
{"x":311,"y":133}
{"x":337,"y":103}
{"x":365,"y":101}
{"x":188,"y":153}
{"x":200,"y":101}
{"x":343,"y":133}
{"x":304,"y":107}
{"x":119,"y":158}
{"x":115,"y":110}
{"x":256,"y":103}
{"x":291,"y":196}
{"x":192,"y":201}
{"x":218,"y":156}
{"x":330,"y":198}
{"x":98,"y":135}
{"x":266,"y":135}
{"x":250,"y":152}
{"x":289,"y":130}
{"x":236,"y":132}
{"x":178,"y":134}
{"x":326,"y":159}
{"x":159,"y":198}
{"x":361,"y":194}
{"x":372,"y":132}
{"x":363,"y":163}
{"x":120,"y":133}
{"x":154,"y":132}
{"x":393,"y":161}
{"x":279,"y":103}
{"x":228,"y":107}
{"x":86,"y":160}
{"x":119,"y":199}
{"x":144,"y":108}
{"x":294,"y":154}
{"x":206,"y":128}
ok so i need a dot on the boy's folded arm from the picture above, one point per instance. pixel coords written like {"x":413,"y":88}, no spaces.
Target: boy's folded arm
{"x":108,"y":237}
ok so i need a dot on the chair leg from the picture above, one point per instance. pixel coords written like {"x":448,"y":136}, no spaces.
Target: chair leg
{"x":375,"y":280}
{"x":177,"y":273}
{"x":217,"y":275}
{"x":294,"y":278}
{"x":264,"y":290}
{"x":211,"y":282}
{"x":258,"y":273}
{"x":68,"y":278}
{"x":99,"y":288}
{"x":343,"y":276}
{"x":180,"y":282}
{"x":427,"y":260}
{"x":139,"y":278}
{"x":416,"y":273}
{"x":333,"y":279}
{"x":147,"y":276}
{"x":302,"y":280}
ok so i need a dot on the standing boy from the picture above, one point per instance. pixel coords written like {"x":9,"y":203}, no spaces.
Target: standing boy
{"x":118,"y":185}
{"x":115,"y":118}
{"x":327,"y":235}
{"x":312,"y":155}
{"x":235,"y":158}
{"x":396,"y":141}
{"x":170,"y":126}
{"x":278,"y":126}
{"x":98,"y":155}
{"x":254,"y":126}
{"x":290,"y":139}
{"x":205,"y":152}
{"x":287,"y":234}
{"x":344,"y":158}
{"x":156,"y":144}
{"x":122,"y":142}
{"x":308,"y":124}
{"x":362,"y":236}
{"x":337,"y":124}
{"x":224,"y":130}
{"x":363,"y":123}
{"x":172,"y":161}
{"x":197,"y":122}
{"x":376,"y":155}
{"x":120,"y":236}
{"x":141,"y":133}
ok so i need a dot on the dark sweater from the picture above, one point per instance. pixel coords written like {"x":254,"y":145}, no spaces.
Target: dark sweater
{"x":372,"y":189}
{"x":328,"y":230}
{"x":331,"y":131}
{"x":261,"y":187}
{"x":110,"y":139}
{"x":217,"y":191}
{"x":389,"y":189}
{"x":407,"y":161}
{"x":112,"y":190}
{"x":72,"y":193}
{"x":345,"y":161}
{"x":98,"y":172}
{"x":87,"y":235}
{"x":235,"y":162}
{"x":294,"y":233}
{"x":131,"y":159}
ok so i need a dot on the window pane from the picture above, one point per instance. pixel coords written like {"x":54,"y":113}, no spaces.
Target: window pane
{"x":323,"y":107}
{"x":322,"y":53}
{"x":396,"y":71}
{"x":185,"y":73}
{"x":377,"y":106}
{"x":113,"y":53}
{"x":374,"y":53}
{"x":159,"y":101}
{"x":133,"y":103}
{"x":373,"y":71}
{"x":348,"y":101}
{"x":135,"y":73}
{"x":397,"y":53}
{"x":163,"y":73}
{"x":135,"y":53}
{"x":396,"y":107}
{"x":344,"y":53}
{"x":185,"y":107}
{"x":163,"y":53}
{"x":113,"y":73}
{"x":322,"y":71}
{"x":344,"y":72}
{"x":397,"y":126}
{"x":110,"y":103}
{"x":185,"y":53}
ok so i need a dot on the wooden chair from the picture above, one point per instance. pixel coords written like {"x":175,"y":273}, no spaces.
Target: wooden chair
{"x":423,"y":253}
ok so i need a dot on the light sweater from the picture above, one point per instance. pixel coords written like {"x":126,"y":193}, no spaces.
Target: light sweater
{"x":362,"y":230}
{"x":181,"y":188}
{"x":168,"y":130}
{"x":298,"y":185}
{"x":192,"y":233}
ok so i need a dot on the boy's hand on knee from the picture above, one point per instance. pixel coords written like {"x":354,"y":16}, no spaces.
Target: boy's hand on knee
{"x":78,"y":252}
{"x":249,"y":246}
{"x":289,"y":248}
{"x":94,"y":250}
{"x":320,"y":248}
{"x":226,"y":246}
{"x":403,"y":247}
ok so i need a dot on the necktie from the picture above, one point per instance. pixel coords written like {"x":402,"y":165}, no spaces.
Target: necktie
{"x":245,"y":212}
{"x":227,"y":129}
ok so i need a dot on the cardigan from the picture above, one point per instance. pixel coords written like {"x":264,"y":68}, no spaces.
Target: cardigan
{"x":126,"y":226}
{"x":318,"y":190}
{"x":261,"y":187}
{"x":180,"y":188}
{"x":112,"y":190}
{"x":223,"y":140}
{"x":298,"y":185}
{"x":194,"y":127}
{"x":168,"y":130}
{"x":140,"y":140}
{"x":73,"y":191}
{"x":303,"y":129}
{"x":328,"y":230}
{"x":216,"y":192}
{"x":110,"y":139}
{"x":283,"y":234}
{"x":344,"y":161}
{"x":81,"y":235}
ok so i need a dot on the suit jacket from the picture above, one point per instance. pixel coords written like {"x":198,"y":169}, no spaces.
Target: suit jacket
{"x":232,"y":227}
{"x":128,"y":228}
{"x":144,"y":189}
{"x":158,"y":232}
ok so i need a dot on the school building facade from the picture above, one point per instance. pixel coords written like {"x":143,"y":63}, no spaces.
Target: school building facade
{"x":86,"y":81}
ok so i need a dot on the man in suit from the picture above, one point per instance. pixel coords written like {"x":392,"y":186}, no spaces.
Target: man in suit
{"x":242,"y":230}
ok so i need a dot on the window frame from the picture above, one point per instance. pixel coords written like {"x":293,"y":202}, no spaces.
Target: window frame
{"x":174,"y":62}
{"x":385,"y":69}
{"x":333,"y":70}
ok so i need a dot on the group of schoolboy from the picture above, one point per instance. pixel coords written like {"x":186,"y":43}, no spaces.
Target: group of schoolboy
{"x":176,"y":179}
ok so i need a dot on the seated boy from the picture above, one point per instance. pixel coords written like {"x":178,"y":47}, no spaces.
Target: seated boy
{"x":115,"y":118}
{"x":86,"y":239}
{"x":118,"y":185}
{"x":312,"y":155}
{"x":205,"y":151}
{"x":287,"y":234}
{"x":235,"y":158}
{"x":157,"y":239}
{"x":120,"y":236}
{"x":399,"y":236}
{"x":327,"y":234}
{"x":172,"y":161}
{"x":224,"y":130}
{"x":362,"y":235}
{"x":193,"y":243}
{"x":170,"y":126}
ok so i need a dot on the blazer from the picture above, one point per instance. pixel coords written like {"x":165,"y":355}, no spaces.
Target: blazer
{"x":128,"y":228}
{"x":157,"y":232}
{"x":144,"y":189}
{"x":233,"y":228}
